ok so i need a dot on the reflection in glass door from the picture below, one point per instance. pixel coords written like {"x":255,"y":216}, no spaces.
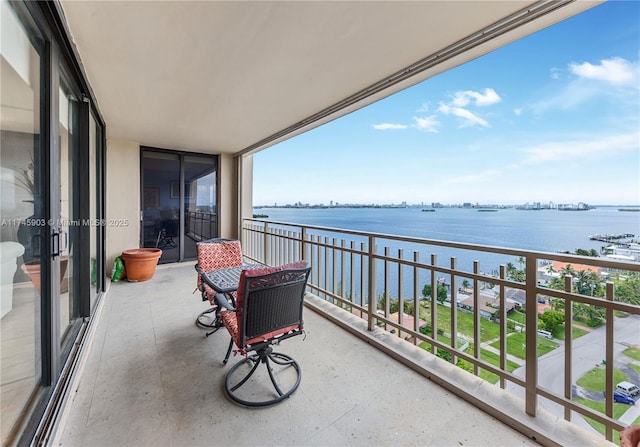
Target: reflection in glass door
{"x":199,"y":202}
{"x":179,"y":202}
{"x":21,"y":211}
{"x":161,"y":203}
{"x":69,"y":221}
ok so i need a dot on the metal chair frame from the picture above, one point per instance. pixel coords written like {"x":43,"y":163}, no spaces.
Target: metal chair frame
{"x":269,"y":312}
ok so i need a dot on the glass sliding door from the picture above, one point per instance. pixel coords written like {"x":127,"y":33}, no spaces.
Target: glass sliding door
{"x":69,"y":221}
{"x":200,"y":177}
{"x":179,"y":202}
{"x":95,"y":266}
{"x":161,"y":203}
{"x":51,"y":157}
{"x":22,"y":214}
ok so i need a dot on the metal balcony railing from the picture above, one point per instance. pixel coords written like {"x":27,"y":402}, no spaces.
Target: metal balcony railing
{"x":201,"y":225}
{"x":381,"y":278}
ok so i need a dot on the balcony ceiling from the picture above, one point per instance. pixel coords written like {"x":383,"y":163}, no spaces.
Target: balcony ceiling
{"x":227,"y":77}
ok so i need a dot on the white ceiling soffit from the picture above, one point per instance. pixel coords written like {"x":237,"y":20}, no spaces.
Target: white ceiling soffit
{"x":236,"y":77}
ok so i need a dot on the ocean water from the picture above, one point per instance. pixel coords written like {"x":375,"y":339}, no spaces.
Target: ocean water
{"x":543,"y":230}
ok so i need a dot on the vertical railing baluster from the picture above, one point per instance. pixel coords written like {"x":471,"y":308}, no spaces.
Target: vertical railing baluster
{"x":385,"y":286}
{"x":363,"y":276}
{"x":476,"y":320}
{"x":416,"y":296}
{"x":334,"y":271}
{"x":503,"y":326}
{"x":400,"y":287}
{"x":568,"y":343}
{"x":352,"y":273}
{"x":265,"y":244}
{"x":609,"y":341}
{"x":434,"y":304}
{"x":531,"y":335}
{"x":454,"y":310}
{"x":343,"y":272}
{"x":372,"y":282}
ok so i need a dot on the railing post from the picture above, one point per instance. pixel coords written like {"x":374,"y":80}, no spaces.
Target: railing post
{"x":434,"y":304}
{"x":531,"y":305}
{"x":265,"y":244}
{"x":304,"y":246}
{"x":608,"y":388}
{"x":568,"y":345}
{"x":454,"y":310}
{"x":503,"y":326}
{"x":477,"y":333}
{"x":372,"y":282}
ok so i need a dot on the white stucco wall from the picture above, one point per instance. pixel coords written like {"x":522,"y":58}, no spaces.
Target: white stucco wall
{"x":122,"y":198}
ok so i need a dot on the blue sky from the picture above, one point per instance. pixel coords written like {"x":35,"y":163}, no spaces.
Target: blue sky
{"x":552,"y":117}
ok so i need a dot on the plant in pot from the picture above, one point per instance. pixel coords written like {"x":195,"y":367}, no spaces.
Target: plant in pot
{"x":29,"y":231}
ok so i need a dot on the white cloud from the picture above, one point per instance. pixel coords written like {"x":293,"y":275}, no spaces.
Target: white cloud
{"x":427,"y":124}
{"x":468,"y":118}
{"x":463,"y":98}
{"x":617,"y":71}
{"x":517,"y":112}
{"x":424,"y":108}
{"x":389,"y":126}
{"x":581,"y":149}
{"x":555,"y":73}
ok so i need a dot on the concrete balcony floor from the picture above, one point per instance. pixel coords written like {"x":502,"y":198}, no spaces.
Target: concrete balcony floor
{"x":149,"y":377}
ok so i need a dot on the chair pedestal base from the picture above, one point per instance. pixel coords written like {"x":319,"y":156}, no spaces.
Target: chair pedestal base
{"x":209,"y":319}
{"x":283,"y":371}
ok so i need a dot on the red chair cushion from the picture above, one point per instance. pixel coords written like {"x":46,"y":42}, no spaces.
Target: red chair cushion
{"x":217,"y":255}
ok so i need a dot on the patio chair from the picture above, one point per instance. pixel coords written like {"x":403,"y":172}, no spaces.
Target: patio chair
{"x":268,"y":310}
{"x":214,"y":254}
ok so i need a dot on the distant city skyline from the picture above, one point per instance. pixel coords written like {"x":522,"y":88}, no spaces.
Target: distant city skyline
{"x":536,"y":204}
{"x":556,"y":114}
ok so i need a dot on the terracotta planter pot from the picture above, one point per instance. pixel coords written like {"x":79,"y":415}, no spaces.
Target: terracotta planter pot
{"x":33,"y":270}
{"x":140,"y":263}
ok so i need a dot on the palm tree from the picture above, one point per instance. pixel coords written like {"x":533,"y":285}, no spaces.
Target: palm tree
{"x":510,"y":268}
{"x":521,"y":261}
{"x":465,"y":285}
{"x":568,"y":271}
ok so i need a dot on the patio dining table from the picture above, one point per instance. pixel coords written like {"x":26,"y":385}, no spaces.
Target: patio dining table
{"x":226,"y":280}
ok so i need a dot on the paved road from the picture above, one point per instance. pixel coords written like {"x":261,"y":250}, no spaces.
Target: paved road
{"x":588,"y":351}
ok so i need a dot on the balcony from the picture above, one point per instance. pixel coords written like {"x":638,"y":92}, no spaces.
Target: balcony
{"x":149,"y":376}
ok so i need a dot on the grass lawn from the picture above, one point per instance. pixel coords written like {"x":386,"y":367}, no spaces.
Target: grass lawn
{"x":618,"y":410}
{"x":635,"y":367}
{"x":633,"y":352}
{"x":516,"y":345}
{"x":488,"y":329}
{"x":595,"y":379}
{"x":518,"y":317}
{"x":494,"y":359}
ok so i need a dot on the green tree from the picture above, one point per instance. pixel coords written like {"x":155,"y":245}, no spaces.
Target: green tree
{"x":466,"y":284}
{"x":551,"y":320}
{"x":510,"y":269}
{"x":627,"y":290}
{"x":441,"y":292}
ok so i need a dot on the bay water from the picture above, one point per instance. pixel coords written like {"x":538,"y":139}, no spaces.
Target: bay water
{"x":539,"y":230}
